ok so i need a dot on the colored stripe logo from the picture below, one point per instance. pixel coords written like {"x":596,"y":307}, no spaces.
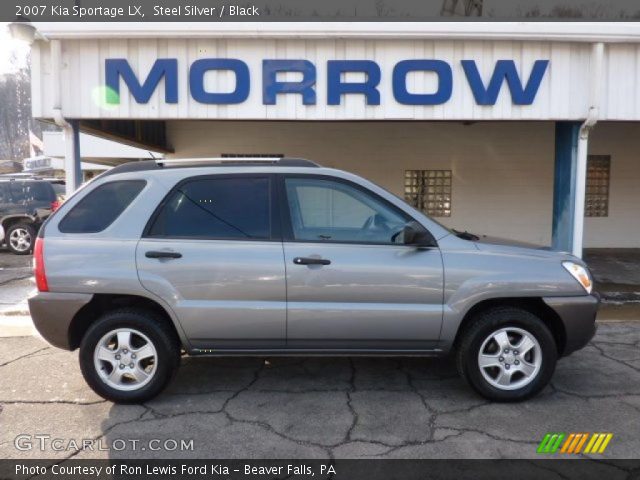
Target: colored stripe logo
{"x":573,"y":443}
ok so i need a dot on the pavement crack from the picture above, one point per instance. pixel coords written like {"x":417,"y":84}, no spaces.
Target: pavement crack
{"x":93,"y":440}
{"x":27,"y":355}
{"x":492,"y":436}
{"x":352,"y":410}
{"x":606,"y":355}
{"x":261,"y":424}
{"x":433,"y":414}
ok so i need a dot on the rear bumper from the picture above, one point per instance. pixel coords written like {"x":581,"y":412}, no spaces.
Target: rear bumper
{"x":52,"y":314}
{"x":578,"y":315}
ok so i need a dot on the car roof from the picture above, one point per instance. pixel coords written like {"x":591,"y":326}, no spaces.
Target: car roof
{"x":21,"y":180}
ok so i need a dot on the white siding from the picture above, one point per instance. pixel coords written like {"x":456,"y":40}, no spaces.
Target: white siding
{"x":562,"y":94}
{"x":502,"y":172}
{"x":622,"y":227}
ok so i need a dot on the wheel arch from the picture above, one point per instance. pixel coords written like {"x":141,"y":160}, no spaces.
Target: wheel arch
{"x":10,"y":220}
{"x":534,"y":305}
{"x":102,"y":303}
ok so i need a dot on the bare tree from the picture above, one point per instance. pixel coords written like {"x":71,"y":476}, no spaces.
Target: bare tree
{"x":15,"y":113}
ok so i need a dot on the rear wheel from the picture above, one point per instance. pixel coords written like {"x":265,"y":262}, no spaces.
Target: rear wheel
{"x":21,"y":238}
{"x":507,"y":354}
{"x":129,"y":356}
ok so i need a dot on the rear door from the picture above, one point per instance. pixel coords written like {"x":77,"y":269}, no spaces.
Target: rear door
{"x":213,"y":250}
{"x":351,"y":282}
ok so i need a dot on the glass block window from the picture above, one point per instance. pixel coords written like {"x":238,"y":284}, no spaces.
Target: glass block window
{"x":597,"y":194}
{"x":429,"y":191}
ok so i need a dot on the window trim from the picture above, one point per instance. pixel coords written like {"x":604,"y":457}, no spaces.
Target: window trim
{"x":275,"y":235}
{"x":109,"y":225}
{"x":285,"y":213}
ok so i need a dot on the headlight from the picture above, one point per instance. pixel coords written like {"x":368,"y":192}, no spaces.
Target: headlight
{"x":580,"y":273}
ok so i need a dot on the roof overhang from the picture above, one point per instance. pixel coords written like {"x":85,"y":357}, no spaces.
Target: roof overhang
{"x":534,"y":31}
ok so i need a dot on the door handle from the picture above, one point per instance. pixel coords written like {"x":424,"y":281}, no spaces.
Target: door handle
{"x":311,"y":261}
{"x":162,"y":254}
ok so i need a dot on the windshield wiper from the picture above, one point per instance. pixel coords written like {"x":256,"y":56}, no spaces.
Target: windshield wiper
{"x":466,"y":235}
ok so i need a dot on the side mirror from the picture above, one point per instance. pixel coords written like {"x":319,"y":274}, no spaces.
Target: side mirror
{"x":416,"y":235}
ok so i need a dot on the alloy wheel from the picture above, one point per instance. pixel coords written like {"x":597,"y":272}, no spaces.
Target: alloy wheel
{"x":510,"y":358}
{"x":20,"y":239}
{"x":125,"y":359}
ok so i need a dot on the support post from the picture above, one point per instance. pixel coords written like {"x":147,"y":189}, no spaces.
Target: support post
{"x":72,"y":168}
{"x":581,"y":187}
{"x":565,"y":186}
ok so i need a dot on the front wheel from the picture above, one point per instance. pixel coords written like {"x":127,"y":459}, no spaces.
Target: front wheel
{"x":507,"y":354}
{"x":129,"y":356}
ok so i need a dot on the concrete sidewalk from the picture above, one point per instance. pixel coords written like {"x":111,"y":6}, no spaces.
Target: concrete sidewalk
{"x":16,"y":285}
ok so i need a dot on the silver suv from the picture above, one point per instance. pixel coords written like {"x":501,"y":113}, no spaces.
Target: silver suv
{"x":283,"y":257}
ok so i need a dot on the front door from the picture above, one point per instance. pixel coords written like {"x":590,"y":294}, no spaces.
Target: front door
{"x":213,"y":250}
{"x":351,"y":282}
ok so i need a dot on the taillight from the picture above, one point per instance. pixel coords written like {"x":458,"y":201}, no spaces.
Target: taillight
{"x":38,"y":266}
{"x":55,"y":205}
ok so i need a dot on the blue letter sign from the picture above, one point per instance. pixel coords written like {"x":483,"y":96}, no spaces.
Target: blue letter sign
{"x":271,"y":87}
{"x":163,"y":67}
{"x":335,"y":87}
{"x":196,"y":80}
{"x":522,"y":93}
{"x":440,"y":68}
{"x":504,"y":69}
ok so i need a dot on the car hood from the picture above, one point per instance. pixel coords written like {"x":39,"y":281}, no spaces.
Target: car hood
{"x":506,"y":246}
{"x":488,"y":240}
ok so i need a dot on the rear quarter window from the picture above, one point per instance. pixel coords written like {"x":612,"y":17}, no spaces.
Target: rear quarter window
{"x":100,"y":207}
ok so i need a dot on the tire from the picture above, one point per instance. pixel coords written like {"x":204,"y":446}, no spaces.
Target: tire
{"x":20,"y":238}
{"x":507,"y":377}
{"x":126,"y":382}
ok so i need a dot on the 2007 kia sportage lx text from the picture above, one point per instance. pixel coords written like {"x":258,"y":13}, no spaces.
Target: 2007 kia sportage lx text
{"x":283,"y":257}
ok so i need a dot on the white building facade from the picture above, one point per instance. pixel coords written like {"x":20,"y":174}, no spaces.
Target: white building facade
{"x":522,"y":130}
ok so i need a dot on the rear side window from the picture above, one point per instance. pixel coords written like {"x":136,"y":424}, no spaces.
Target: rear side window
{"x":234,"y":208}
{"x":5,"y":197}
{"x":25,"y":192}
{"x":101,"y":207}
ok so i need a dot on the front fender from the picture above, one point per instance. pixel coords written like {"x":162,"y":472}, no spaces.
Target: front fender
{"x":474,"y":277}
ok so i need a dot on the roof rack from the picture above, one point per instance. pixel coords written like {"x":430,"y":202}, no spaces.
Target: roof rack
{"x":145,"y":165}
{"x":235,"y":161}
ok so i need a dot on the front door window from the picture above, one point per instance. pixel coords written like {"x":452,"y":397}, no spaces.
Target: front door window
{"x":333,"y":211}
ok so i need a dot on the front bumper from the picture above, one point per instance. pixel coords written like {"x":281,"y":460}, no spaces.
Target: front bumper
{"x":578,"y":315}
{"x":52,"y":314}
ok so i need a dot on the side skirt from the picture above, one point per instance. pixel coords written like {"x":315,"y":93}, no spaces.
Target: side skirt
{"x":313,"y":353}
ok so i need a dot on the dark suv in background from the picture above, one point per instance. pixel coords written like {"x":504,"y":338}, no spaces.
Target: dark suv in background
{"x":24,"y":205}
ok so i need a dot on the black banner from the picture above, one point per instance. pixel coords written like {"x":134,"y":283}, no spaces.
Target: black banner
{"x":583,"y":469}
{"x":316,"y":10}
